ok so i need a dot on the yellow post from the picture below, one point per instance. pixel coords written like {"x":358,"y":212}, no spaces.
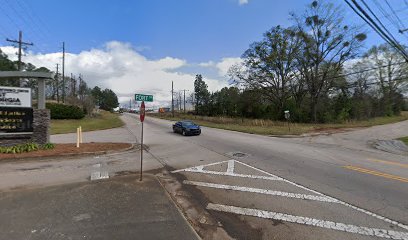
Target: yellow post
{"x":77,"y":142}
{"x":80,"y":134}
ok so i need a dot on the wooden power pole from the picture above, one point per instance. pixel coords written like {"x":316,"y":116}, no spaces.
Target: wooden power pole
{"x":63,"y":72}
{"x":20,"y":44}
{"x":172,"y":98}
{"x":57,"y":84}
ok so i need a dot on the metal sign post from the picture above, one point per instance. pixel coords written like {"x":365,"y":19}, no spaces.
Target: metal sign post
{"x":142,"y":117}
{"x":287,"y":116}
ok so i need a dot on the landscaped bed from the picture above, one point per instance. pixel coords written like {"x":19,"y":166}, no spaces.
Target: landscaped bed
{"x":68,"y":150}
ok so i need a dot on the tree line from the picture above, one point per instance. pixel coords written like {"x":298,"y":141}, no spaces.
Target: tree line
{"x":315,"y":69}
{"x":70,"y":90}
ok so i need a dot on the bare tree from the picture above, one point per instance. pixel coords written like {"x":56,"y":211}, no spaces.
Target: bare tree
{"x":270,"y":65}
{"x":327,"y":43}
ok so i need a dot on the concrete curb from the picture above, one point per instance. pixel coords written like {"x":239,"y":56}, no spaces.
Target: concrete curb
{"x":392,"y":146}
{"x":177,"y":207}
{"x":204,"y":224}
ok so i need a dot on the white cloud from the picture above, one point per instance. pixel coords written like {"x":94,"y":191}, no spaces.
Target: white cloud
{"x":242,"y":2}
{"x":207,"y":64}
{"x":222,"y":66}
{"x":121,"y":68}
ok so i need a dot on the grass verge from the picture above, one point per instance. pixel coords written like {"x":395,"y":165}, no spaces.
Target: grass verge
{"x":404,"y":139}
{"x":268,"y":127}
{"x":105,"y":120}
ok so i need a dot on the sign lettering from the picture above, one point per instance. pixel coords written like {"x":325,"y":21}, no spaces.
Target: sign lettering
{"x":16,"y":119}
{"x":15,"y":97}
{"x":143,"y":97}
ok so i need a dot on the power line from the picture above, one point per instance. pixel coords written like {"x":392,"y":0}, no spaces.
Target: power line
{"x":396,"y":16}
{"x":21,"y":18}
{"x":12,"y":21}
{"x":376,"y":28}
{"x":401,"y":29}
{"x":28,"y":13}
{"x":379,"y":21}
{"x":39,"y":20}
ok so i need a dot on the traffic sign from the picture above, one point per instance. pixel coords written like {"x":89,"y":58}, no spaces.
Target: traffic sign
{"x":142,"y":112}
{"x":143,"y":97}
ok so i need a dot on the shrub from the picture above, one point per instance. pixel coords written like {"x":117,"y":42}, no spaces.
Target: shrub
{"x":61,"y":111}
{"x":27,"y":147}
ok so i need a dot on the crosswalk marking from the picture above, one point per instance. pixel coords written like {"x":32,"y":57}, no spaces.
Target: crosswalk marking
{"x":373,"y":232}
{"x":269,"y":176}
{"x":262,"y":191}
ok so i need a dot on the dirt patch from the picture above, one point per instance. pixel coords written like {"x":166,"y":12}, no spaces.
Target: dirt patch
{"x":70,"y":149}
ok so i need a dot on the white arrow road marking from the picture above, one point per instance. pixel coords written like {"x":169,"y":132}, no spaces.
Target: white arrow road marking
{"x":262,"y":191}
{"x":230,"y":168}
{"x":374,"y":232}
{"x":229,"y":172}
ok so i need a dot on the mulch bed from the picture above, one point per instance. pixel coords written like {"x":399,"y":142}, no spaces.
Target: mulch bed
{"x":69,"y":149}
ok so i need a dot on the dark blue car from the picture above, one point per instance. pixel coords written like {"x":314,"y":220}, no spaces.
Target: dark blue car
{"x":186,"y":127}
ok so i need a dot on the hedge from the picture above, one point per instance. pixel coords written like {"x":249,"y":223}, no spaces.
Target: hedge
{"x":61,"y":111}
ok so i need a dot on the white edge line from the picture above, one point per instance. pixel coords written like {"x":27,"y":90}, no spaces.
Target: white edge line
{"x":375,"y":232}
{"x":285,"y":180}
{"x":233,"y":174}
{"x":261,"y":191}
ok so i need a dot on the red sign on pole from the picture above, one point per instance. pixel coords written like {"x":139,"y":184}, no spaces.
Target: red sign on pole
{"x":142,"y":112}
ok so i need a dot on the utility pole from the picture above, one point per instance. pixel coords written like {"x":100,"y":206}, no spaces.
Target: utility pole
{"x":184,"y":91}
{"x":81,"y":91}
{"x":172,"y":98}
{"x":179,"y":101}
{"x":63,"y":72}
{"x":130,"y":104}
{"x":20,"y":46}
{"x":57,"y":84}
{"x":73,"y":85}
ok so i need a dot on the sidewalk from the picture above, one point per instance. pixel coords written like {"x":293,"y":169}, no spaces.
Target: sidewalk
{"x":118,"y":208}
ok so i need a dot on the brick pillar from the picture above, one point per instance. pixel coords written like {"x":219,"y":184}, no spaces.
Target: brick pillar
{"x":41,"y":126}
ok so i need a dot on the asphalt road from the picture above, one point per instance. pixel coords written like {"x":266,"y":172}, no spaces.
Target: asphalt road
{"x":323,"y":187}
{"x":370,"y":187}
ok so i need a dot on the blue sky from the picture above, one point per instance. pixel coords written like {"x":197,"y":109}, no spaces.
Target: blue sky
{"x":195,"y":30}
{"x":143,"y":45}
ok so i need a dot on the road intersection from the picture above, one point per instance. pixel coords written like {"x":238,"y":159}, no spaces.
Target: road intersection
{"x":324,"y":187}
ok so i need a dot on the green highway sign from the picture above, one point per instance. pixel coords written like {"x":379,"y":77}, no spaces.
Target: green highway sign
{"x":143,"y":97}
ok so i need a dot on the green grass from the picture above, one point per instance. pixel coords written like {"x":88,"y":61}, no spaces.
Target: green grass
{"x":404,"y":139}
{"x":268,"y":127}
{"x":105,"y":120}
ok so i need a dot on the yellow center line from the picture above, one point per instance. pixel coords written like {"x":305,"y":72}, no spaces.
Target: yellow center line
{"x":389,"y":162}
{"x":380,"y":174}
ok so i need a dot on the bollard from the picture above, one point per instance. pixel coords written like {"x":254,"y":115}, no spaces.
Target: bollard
{"x":77,"y":142}
{"x":80,"y":134}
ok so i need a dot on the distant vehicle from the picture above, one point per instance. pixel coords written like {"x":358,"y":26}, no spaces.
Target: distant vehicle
{"x":164,"y":110}
{"x":186,"y":128}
